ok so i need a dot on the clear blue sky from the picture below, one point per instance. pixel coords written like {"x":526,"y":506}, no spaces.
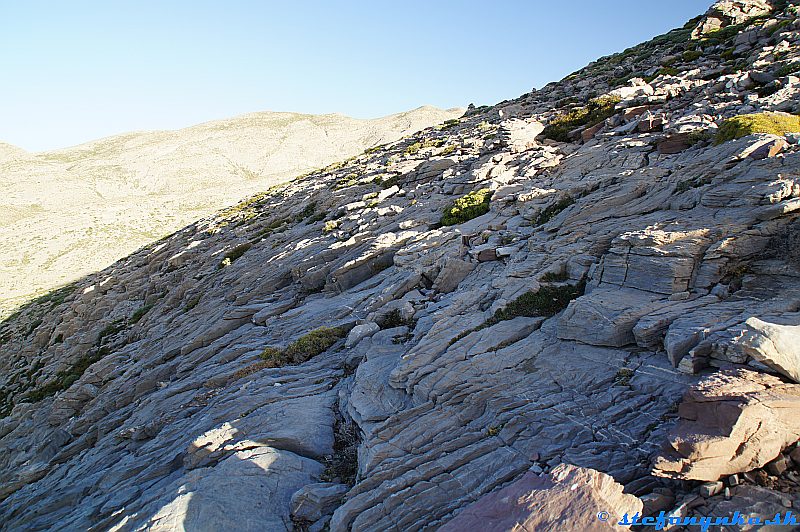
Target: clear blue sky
{"x":74,"y":70}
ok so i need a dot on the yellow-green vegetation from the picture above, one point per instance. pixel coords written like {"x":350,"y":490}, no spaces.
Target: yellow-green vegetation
{"x":743,"y":125}
{"x":597,"y":110}
{"x":330,"y":225}
{"x":494,"y":430}
{"x":553,"y":277}
{"x":110,"y":330}
{"x":623,"y":377}
{"x":231,"y":256}
{"x":304,"y":348}
{"x":412,"y":149}
{"x":447,"y":124}
{"x":788,"y":69}
{"x":191,"y":303}
{"x":447,"y":150}
{"x":301,"y":350}
{"x":467,"y":207}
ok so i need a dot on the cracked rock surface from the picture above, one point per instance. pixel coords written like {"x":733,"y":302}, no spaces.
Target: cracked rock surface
{"x":332,"y":332}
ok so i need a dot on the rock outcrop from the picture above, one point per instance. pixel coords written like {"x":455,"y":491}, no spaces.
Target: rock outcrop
{"x":567,"y":498}
{"x":732,"y":422}
{"x":339,"y":330}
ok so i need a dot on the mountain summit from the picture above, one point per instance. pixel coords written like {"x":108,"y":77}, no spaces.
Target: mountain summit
{"x":556,"y":313}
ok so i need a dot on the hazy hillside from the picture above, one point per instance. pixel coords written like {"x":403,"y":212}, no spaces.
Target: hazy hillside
{"x":68,"y":212}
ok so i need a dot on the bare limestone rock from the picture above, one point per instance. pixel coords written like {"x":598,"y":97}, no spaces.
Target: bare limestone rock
{"x":726,"y":12}
{"x":775,"y":344}
{"x":569,"y":497}
{"x":731,"y":422}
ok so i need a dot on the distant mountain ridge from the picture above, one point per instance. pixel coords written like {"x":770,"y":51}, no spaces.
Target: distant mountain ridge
{"x":80,"y":208}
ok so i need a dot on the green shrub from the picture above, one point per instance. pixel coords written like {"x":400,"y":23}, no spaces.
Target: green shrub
{"x":595,"y":112}
{"x":743,"y":125}
{"x":447,"y":124}
{"x":234,"y":254}
{"x":191,"y":303}
{"x":413,"y":148}
{"x":548,"y":213}
{"x":65,"y":379}
{"x":110,"y":330}
{"x":470,"y":206}
{"x":140,"y":312}
{"x":314,"y":343}
{"x":552,"y":277}
{"x":547,"y":301}
{"x":304,"y":348}
{"x":393,"y":319}
{"x":447,"y":150}
{"x":691,"y":55}
{"x":623,"y":377}
{"x":789,"y":69}
{"x":330,"y":225}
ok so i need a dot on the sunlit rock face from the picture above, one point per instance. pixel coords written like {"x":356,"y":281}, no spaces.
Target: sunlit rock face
{"x":387,"y":341}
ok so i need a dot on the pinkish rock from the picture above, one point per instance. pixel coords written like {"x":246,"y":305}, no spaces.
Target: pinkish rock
{"x":651,"y":124}
{"x":568,"y":498}
{"x":768,"y":147}
{"x":486,"y":255}
{"x":734,"y":421}
{"x":633,"y":112}
{"x":589,"y":133}
{"x":675,"y":143}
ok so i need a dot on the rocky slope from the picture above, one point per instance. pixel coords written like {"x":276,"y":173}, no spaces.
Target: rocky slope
{"x":84,"y":207}
{"x":330,"y":354}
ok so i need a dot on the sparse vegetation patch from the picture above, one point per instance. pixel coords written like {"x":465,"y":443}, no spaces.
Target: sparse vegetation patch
{"x":466,"y":208}
{"x":743,"y":125}
{"x":595,"y":112}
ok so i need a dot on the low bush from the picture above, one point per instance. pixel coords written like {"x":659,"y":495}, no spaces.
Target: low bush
{"x":691,"y":55}
{"x":234,"y":254}
{"x":548,"y":213}
{"x":789,"y":69}
{"x":595,"y":112}
{"x":65,"y":379}
{"x":743,"y":125}
{"x":470,"y":206}
{"x":304,"y":348}
{"x":547,"y":301}
{"x":140,"y":312}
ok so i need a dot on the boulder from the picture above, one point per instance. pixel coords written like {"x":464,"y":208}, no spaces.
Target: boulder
{"x":606,"y":316}
{"x":520,"y":135}
{"x":453,"y":272}
{"x":313,"y":501}
{"x":674,"y":143}
{"x":773,"y":344}
{"x":734,"y":421}
{"x":360,"y":332}
{"x":568,"y":498}
{"x":727,"y":12}
{"x":250,"y":490}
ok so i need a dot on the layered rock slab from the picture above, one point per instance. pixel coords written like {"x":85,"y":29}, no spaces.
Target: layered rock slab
{"x":568,"y":498}
{"x":731,"y":422}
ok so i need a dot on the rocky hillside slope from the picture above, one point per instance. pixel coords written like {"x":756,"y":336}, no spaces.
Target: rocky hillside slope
{"x":84,"y":207}
{"x":591,"y":287}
